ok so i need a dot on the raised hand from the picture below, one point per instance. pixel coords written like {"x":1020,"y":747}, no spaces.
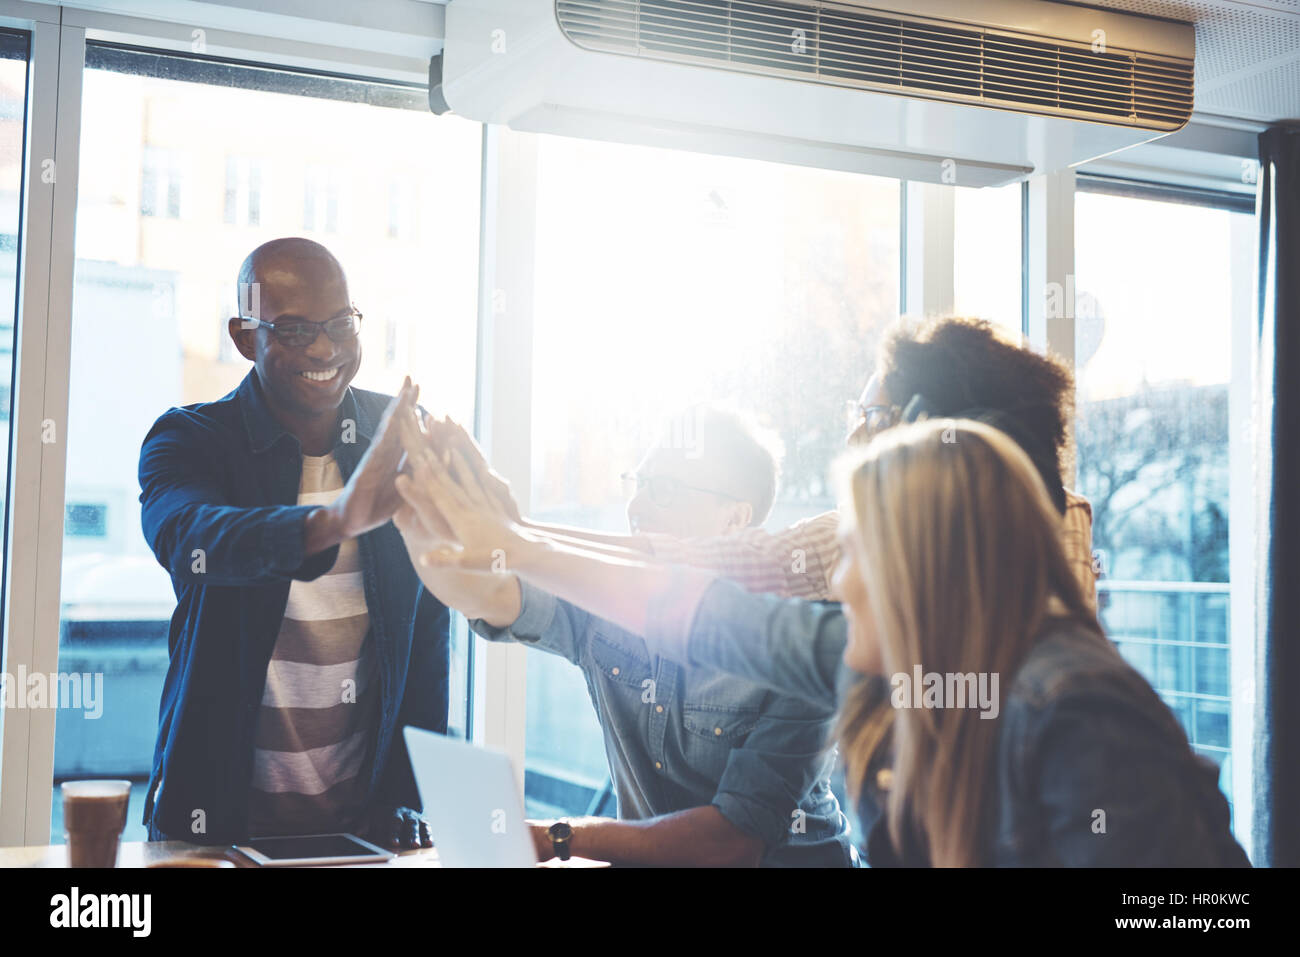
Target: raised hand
{"x":496,"y":487}
{"x":419,"y":441}
{"x":369,"y":498}
{"x":459,"y":505}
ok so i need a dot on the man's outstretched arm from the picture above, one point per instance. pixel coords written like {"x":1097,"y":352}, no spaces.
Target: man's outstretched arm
{"x":197,"y":534}
{"x":491,"y":596}
{"x":794,"y":562}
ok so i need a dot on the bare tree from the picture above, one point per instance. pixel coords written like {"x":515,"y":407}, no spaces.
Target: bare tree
{"x":1154,"y":465}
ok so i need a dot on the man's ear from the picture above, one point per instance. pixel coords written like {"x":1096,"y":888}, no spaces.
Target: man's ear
{"x":739,"y":516}
{"x":241,"y":333}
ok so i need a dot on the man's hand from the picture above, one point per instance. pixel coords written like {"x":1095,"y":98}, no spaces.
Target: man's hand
{"x":695,"y":837}
{"x":369,"y":499}
{"x":425,"y":529}
{"x":460,"y":506}
{"x":451,"y":444}
{"x":450,"y":435}
{"x":417,"y":539}
{"x":400,"y":827}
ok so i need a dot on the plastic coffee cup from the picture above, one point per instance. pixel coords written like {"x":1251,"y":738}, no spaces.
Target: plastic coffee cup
{"x":94,"y":814}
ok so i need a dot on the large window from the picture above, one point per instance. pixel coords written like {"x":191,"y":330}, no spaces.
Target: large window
{"x":1164,"y":291}
{"x":665,"y":278}
{"x":987,"y":253}
{"x":226,"y":158}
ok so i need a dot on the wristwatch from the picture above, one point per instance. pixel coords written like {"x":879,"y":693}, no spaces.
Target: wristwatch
{"x":560,"y":834}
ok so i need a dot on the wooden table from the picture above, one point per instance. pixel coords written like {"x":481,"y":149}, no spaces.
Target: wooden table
{"x":148,"y":854}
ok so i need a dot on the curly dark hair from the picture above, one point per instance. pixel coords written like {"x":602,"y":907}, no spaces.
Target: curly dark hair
{"x":968,"y":368}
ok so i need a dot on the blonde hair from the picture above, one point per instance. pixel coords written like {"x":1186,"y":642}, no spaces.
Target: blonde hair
{"x":961,"y":554}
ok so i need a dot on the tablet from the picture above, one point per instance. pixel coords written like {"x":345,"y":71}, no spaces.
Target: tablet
{"x":308,"y":849}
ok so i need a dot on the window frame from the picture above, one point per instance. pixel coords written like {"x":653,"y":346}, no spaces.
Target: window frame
{"x":42,"y":350}
{"x":335,"y":51}
{"x":1242,"y":513}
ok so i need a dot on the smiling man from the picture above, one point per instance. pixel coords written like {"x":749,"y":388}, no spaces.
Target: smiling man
{"x":300,"y":623}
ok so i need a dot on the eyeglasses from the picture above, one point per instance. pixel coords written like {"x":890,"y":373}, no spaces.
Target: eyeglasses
{"x":664,"y":489}
{"x":300,"y":335}
{"x":872,"y":418}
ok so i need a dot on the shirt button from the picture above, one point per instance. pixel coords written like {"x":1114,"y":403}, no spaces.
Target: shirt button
{"x":717,"y":731}
{"x":614,"y":672}
{"x":658,"y":766}
{"x":659,"y":708}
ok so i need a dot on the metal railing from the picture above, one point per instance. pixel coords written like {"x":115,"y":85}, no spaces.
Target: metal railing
{"x":1177,"y":635}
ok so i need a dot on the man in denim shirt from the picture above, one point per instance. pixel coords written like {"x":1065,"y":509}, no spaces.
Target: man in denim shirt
{"x":708,"y":769}
{"x":302,"y":638}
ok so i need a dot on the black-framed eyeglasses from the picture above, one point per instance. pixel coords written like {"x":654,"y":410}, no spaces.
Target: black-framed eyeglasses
{"x":300,"y":335}
{"x":664,"y":489}
{"x":874,"y":418}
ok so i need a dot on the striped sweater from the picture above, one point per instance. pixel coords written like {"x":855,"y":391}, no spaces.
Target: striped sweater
{"x":318,"y":718}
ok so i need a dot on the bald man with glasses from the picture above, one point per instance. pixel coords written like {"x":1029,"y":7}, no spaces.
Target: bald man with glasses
{"x":302,"y":639}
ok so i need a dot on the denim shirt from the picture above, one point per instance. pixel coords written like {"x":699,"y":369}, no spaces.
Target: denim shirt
{"x":219,"y":489}
{"x":1080,"y":732}
{"x":679,"y":738}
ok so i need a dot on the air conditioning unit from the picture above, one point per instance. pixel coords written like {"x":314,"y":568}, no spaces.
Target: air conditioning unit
{"x":971,"y":92}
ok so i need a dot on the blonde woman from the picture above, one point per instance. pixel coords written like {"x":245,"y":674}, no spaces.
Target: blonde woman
{"x":1022,"y":737}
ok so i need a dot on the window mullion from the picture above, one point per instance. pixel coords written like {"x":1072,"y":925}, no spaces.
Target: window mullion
{"x":40,"y":420}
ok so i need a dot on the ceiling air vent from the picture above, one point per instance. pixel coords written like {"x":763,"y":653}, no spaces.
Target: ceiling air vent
{"x":871,"y":49}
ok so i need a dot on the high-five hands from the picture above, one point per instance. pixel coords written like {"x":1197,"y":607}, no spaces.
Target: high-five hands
{"x":449,"y":518}
{"x":432,"y":480}
{"x":449,"y":435}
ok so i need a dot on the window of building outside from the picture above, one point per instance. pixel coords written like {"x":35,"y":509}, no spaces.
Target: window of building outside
{"x":160,"y":183}
{"x":152,"y":294}
{"x":244,"y":185}
{"x":666,"y":278}
{"x":321,"y":202}
{"x":402,"y":198}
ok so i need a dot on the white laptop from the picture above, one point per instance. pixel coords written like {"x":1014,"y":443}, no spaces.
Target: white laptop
{"x":471,"y":802}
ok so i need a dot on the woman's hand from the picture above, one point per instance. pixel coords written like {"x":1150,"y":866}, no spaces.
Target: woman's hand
{"x":447,"y":500}
{"x":449,"y":434}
